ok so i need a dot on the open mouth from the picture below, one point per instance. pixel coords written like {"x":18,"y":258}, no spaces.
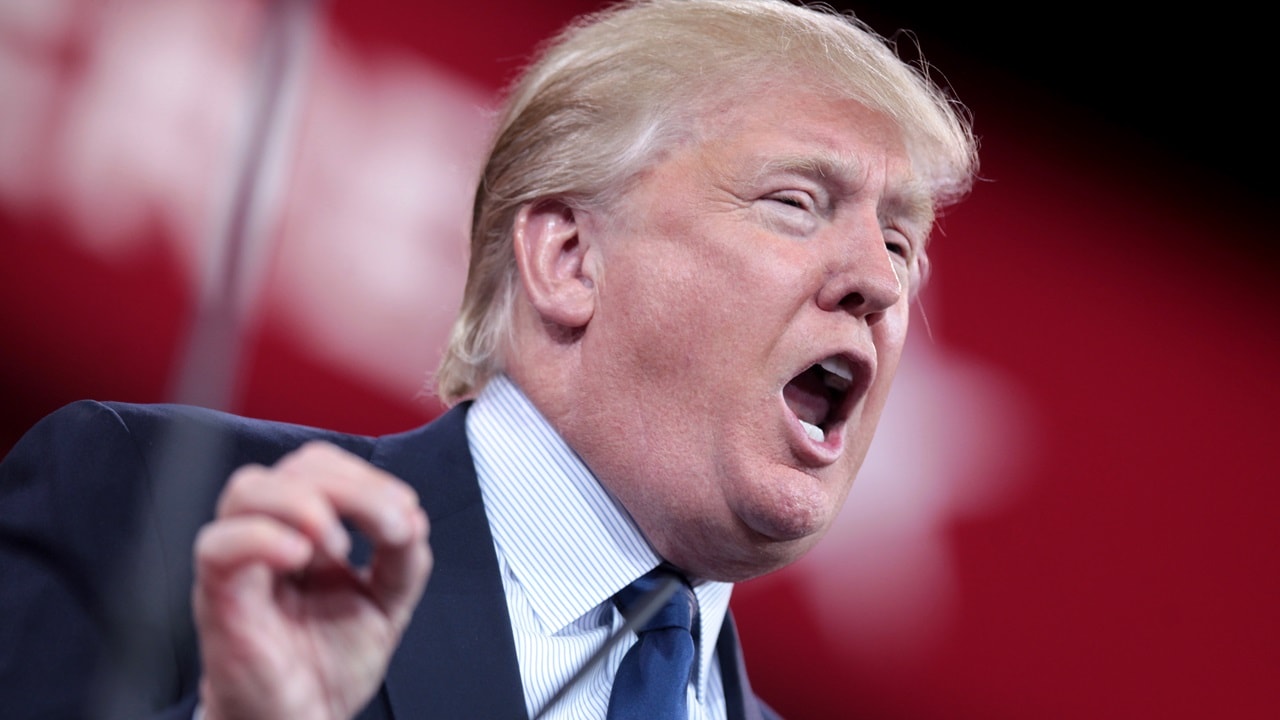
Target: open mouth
{"x":819,"y":396}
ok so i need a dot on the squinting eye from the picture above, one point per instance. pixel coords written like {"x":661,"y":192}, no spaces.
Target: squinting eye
{"x":896,"y":243}
{"x":798,"y":200}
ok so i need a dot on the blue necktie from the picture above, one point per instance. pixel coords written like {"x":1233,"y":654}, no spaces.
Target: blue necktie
{"x":653,"y":678}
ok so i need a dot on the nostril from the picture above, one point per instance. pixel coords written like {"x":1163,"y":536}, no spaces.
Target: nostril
{"x":869,"y":301}
{"x":853,"y":301}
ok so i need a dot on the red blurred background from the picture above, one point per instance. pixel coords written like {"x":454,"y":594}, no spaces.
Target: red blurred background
{"x":1072,"y":508}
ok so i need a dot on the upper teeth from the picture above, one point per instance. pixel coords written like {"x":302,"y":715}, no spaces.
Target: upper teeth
{"x":841,"y":376}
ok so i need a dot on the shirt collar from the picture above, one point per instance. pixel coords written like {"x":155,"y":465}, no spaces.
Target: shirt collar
{"x":568,"y":542}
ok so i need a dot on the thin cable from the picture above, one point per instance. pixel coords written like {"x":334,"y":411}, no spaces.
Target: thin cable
{"x":248,"y":203}
{"x":148,"y":610}
{"x":648,"y":606}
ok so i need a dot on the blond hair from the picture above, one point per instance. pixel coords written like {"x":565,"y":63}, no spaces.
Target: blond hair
{"x":615,"y":88}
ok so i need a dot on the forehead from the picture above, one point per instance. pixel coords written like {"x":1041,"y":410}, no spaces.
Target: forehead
{"x":838,"y":142}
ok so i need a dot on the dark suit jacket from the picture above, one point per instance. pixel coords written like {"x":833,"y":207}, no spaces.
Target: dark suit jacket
{"x":99,"y":508}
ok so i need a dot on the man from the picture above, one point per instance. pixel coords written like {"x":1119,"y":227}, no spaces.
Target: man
{"x":695,"y":242}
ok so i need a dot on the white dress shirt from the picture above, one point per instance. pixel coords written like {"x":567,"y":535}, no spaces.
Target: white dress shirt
{"x":565,"y":547}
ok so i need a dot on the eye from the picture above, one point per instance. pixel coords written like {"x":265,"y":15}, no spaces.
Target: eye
{"x":793,"y":198}
{"x":897,"y":243}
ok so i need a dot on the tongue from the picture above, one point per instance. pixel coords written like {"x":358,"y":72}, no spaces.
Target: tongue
{"x":807,"y":396}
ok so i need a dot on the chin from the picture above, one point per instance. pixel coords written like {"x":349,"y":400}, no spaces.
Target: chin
{"x":787,"y":524}
{"x":744,"y":552}
{"x":790,"y":507}
{"x":783,"y":535}
{"x":772,"y":555}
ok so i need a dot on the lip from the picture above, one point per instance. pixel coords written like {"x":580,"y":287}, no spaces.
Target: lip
{"x":829,"y":450}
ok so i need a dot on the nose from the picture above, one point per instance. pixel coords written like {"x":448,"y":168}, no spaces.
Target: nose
{"x":862,"y":278}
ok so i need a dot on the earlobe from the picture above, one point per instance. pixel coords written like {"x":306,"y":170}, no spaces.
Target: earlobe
{"x":550,"y":253}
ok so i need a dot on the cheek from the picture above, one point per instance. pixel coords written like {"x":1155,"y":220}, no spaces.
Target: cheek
{"x":890,"y":336}
{"x":676,"y":317}
{"x":658,"y":328}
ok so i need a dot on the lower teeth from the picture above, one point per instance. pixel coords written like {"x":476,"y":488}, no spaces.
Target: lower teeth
{"x":814,"y":431}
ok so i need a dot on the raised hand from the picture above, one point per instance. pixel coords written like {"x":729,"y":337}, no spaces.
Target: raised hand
{"x":288,"y":629}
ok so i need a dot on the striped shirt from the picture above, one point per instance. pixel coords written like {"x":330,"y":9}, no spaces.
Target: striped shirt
{"x":564,"y":547}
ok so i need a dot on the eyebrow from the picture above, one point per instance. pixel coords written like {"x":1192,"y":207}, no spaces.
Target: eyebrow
{"x":911,"y":200}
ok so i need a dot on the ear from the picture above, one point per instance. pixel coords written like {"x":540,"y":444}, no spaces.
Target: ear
{"x":550,"y":256}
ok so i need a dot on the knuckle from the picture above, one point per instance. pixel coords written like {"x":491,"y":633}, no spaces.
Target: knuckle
{"x":209,"y":541}
{"x":242,"y":483}
{"x":319,"y":450}
{"x":202,"y":540}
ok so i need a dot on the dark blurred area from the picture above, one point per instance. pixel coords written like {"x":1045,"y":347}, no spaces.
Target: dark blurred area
{"x":1071,"y":508}
{"x":1185,"y":84}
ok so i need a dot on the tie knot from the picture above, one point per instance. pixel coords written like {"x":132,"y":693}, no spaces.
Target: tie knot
{"x":679,"y":609}
{"x":653,"y":678}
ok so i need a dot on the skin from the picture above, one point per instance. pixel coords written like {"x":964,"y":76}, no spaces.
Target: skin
{"x":286,"y":630}
{"x":658,"y":336}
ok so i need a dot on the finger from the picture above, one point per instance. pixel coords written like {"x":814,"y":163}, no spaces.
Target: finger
{"x":239,"y":562}
{"x":399,"y":573}
{"x":229,"y":544}
{"x":257,"y":490}
{"x":315,"y":485}
{"x":380,"y":504}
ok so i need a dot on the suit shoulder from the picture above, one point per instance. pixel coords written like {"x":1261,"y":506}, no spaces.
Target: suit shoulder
{"x":143,"y":416}
{"x":153,"y":426}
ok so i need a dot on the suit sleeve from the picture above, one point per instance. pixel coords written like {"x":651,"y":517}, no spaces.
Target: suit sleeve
{"x":78,"y":637}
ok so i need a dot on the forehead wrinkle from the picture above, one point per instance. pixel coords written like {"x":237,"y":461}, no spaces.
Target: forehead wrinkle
{"x":909,"y":200}
{"x":828,"y":167}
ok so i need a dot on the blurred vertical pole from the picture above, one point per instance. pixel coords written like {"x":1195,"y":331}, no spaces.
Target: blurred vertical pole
{"x":238,"y":237}
{"x":150,"y":628}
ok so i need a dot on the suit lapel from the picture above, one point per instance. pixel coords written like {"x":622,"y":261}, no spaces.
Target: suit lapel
{"x":457,"y":657}
{"x":740,"y":701}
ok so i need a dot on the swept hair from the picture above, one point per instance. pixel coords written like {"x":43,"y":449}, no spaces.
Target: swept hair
{"x":607,"y":95}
